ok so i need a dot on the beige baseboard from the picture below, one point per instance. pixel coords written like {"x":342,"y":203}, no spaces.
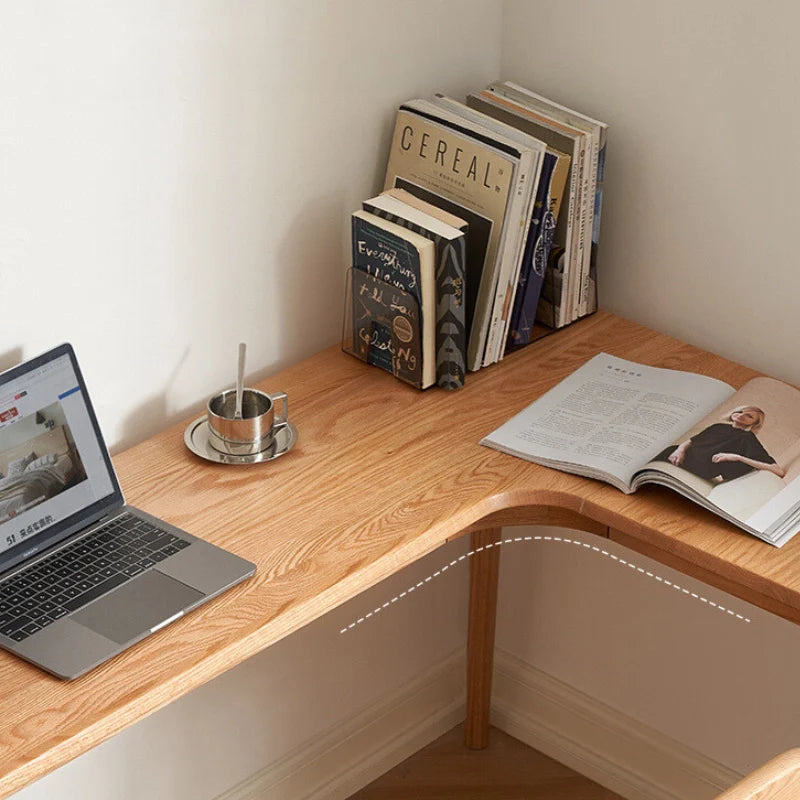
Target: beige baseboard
{"x":597,"y":741}
{"x":346,"y":758}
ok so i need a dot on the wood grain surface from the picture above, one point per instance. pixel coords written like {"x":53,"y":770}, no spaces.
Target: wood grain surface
{"x":506,"y":770}
{"x":484,"y":568}
{"x":778,"y":779}
{"x":382,"y":474}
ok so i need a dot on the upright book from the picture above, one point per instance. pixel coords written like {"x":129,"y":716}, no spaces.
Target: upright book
{"x":450,"y":243}
{"x":400,"y":258}
{"x":555,"y":114}
{"x":469,"y":178}
{"x":430,"y":208}
{"x":598,"y":131}
{"x":531,"y":153}
{"x":734,"y":452}
{"x":538,"y":248}
{"x":551,"y":225}
{"x":496,"y":100}
{"x":492,"y":290}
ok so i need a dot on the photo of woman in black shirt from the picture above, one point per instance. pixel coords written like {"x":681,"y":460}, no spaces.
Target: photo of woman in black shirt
{"x":725,"y":450}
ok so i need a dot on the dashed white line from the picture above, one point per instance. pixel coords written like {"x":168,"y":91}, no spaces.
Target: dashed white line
{"x":546,"y":539}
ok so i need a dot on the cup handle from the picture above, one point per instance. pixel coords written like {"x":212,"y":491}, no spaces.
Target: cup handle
{"x":275,"y":396}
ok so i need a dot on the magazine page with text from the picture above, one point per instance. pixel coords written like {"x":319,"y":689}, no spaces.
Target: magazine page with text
{"x":609,"y":418}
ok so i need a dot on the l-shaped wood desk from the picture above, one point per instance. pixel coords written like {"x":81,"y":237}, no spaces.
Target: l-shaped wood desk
{"x":382,"y":474}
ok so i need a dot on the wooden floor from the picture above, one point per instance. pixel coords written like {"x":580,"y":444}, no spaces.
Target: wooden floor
{"x":506,"y":770}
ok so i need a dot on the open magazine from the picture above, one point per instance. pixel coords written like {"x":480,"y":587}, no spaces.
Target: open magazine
{"x":736,"y":453}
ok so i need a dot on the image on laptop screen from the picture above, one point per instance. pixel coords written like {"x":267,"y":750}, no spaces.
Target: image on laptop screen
{"x":54,"y":467}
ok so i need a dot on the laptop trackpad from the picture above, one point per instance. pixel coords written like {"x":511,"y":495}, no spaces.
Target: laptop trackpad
{"x":137,"y":606}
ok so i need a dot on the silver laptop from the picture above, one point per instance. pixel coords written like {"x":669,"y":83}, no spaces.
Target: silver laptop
{"x":83,"y":575}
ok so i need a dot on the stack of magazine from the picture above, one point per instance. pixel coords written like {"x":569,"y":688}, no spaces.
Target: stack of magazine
{"x":484,"y":237}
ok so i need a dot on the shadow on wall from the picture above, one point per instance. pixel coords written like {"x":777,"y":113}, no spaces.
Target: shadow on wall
{"x":153,"y":413}
{"x":309,"y":268}
{"x":309,"y":277}
{"x":10,"y":358}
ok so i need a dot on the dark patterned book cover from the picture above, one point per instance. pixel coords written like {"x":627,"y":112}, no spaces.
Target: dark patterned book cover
{"x":451,"y":340}
{"x":480,"y":230}
{"x":534,"y":262}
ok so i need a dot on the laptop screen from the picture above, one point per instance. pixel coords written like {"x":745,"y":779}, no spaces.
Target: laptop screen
{"x":55,"y":471}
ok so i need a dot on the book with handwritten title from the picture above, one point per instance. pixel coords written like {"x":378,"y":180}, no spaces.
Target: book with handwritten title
{"x":450,"y":245}
{"x":382,"y":327}
{"x":396,"y":258}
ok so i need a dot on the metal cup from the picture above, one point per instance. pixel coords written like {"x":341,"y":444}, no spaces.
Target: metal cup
{"x":256,"y":429}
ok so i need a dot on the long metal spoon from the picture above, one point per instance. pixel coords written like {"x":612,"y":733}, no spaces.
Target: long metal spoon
{"x":240,"y":381}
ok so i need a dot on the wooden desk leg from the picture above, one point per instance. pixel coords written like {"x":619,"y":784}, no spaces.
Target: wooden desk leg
{"x":484,"y":568}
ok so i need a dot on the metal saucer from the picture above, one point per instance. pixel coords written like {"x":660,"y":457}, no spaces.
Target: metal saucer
{"x":196,"y":439}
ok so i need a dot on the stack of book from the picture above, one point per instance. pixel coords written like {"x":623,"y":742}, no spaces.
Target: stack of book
{"x":485,"y":235}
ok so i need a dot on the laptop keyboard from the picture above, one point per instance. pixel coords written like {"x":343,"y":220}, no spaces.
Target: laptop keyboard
{"x":81,"y":572}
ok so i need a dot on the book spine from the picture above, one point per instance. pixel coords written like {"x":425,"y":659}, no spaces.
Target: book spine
{"x":556,"y":314}
{"x":543,"y":311}
{"x":598,"y":207}
{"x":537,"y":251}
{"x":451,"y":339}
{"x":595,"y":131}
{"x":558,"y":183}
{"x":509,"y":257}
{"x":585,"y":306}
{"x":451,"y":334}
{"x":559,"y":315}
{"x":577,"y":260}
{"x":514,"y":283}
{"x":515,"y":335}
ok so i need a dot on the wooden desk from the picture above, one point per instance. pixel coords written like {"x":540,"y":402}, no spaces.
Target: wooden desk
{"x":778,"y":779}
{"x":382,"y":475}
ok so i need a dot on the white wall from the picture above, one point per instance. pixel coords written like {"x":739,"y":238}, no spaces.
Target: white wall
{"x":698,"y":240}
{"x":177,"y":177}
{"x":698,"y":234}
{"x":721,"y":686}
